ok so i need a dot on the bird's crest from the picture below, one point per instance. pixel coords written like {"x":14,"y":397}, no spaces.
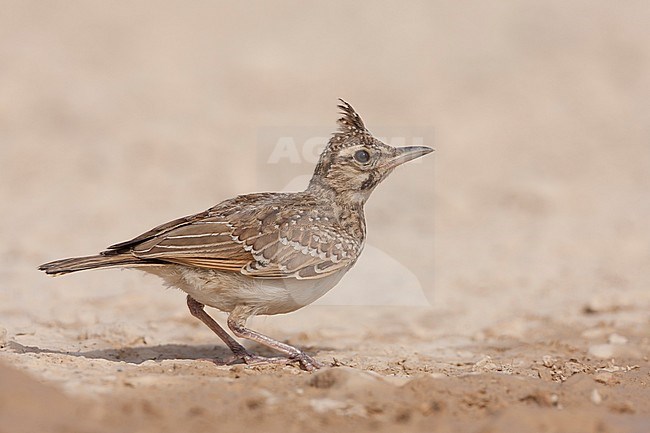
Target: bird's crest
{"x":350,"y":126}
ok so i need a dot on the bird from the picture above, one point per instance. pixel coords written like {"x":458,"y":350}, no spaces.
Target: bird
{"x":266,"y":253}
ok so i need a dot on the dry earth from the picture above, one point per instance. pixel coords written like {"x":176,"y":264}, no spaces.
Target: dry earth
{"x":506,"y":284}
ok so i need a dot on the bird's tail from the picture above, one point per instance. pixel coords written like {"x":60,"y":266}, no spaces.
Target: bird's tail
{"x":65,"y":266}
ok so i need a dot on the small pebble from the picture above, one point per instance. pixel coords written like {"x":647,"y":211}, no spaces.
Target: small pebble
{"x":595,"y":397}
{"x":545,"y":374}
{"x":617,"y":339}
{"x":604,"y":377}
{"x":604,"y":351}
{"x":485,"y":363}
{"x":548,"y":360}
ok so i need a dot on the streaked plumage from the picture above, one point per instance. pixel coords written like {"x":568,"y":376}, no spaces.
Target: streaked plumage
{"x":266,"y":253}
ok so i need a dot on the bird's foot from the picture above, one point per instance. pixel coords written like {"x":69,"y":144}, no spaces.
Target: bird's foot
{"x":306,"y":362}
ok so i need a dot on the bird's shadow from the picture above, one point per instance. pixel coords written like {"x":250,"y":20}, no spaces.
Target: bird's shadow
{"x":140,"y":354}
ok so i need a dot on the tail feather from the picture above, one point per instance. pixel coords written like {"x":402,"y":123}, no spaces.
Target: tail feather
{"x":65,"y":266}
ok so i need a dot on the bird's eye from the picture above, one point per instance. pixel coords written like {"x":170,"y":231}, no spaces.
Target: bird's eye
{"x":362,"y":156}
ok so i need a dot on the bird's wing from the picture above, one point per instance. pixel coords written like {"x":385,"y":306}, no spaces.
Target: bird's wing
{"x":205,"y":243}
{"x":303,"y":246}
{"x":273,"y":243}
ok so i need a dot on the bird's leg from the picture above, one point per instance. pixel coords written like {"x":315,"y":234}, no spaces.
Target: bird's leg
{"x":237,"y":324}
{"x":196,"y":309}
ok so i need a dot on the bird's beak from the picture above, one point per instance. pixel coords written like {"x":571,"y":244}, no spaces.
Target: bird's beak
{"x":406,"y":154}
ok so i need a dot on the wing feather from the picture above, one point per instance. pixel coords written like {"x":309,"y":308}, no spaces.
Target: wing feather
{"x":278,"y":241}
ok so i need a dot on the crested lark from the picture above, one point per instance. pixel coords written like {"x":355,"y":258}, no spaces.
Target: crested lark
{"x":266,"y":253}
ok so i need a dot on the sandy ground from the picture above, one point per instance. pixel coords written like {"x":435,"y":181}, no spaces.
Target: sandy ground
{"x":505,"y":286}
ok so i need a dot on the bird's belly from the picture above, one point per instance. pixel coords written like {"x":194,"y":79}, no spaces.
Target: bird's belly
{"x":227,"y":290}
{"x":296,"y":293}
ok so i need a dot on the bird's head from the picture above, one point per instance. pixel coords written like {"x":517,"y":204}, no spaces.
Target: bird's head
{"x":354,"y":162}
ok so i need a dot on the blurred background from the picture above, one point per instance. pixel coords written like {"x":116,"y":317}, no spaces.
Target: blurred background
{"x":118,"y":116}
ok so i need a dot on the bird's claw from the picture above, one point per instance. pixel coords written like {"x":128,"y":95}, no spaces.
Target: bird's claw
{"x":306,"y":361}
